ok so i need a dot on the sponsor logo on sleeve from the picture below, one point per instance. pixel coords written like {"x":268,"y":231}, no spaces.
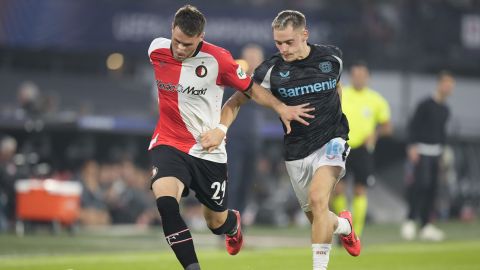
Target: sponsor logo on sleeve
{"x":240,"y":73}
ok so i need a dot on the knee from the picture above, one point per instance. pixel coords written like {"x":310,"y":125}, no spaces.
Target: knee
{"x":318,"y":202}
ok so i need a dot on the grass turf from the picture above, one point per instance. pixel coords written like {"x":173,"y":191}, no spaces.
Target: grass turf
{"x":382,"y":250}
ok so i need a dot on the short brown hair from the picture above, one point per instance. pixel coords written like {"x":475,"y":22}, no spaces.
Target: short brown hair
{"x":444,"y":74}
{"x":190,"y":20}
{"x":289,"y":17}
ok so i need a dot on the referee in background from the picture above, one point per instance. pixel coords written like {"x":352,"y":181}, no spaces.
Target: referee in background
{"x":368,"y":115}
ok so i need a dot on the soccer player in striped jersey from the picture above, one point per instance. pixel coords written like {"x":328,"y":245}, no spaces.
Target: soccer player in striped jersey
{"x":190,"y":74}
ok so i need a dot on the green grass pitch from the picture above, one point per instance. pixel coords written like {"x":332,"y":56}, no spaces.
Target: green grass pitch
{"x":383,"y":249}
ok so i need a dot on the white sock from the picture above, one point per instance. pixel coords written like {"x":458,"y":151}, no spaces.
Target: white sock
{"x":321,"y":254}
{"x":343,"y":227}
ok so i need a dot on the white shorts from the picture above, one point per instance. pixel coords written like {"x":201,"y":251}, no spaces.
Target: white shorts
{"x":301,"y":171}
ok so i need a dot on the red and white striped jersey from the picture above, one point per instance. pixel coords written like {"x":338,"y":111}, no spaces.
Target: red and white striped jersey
{"x":190,"y":95}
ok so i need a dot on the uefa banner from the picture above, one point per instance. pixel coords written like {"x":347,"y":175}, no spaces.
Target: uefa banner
{"x":130,"y":26}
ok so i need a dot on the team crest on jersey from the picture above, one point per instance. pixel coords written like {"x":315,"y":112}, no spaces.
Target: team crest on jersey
{"x":325,"y":67}
{"x":201,"y":71}
{"x":240,"y":73}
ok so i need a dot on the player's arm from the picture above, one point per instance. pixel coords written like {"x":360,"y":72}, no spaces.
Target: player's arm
{"x":231,"y":108}
{"x":383,"y":116}
{"x":385,"y":129}
{"x":213,"y":138}
{"x":384,"y":125}
{"x":287,"y":113}
{"x":339,"y":91}
{"x":415,"y":124}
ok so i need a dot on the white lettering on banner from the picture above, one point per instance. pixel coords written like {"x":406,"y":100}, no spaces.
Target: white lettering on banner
{"x":138,"y":27}
{"x":470,"y":31}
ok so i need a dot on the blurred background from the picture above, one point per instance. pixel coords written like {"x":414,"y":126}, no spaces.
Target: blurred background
{"x":78,"y":100}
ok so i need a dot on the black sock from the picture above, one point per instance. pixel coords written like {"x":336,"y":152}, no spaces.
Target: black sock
{"x":176,"y":231}
{"x":229,"y":227}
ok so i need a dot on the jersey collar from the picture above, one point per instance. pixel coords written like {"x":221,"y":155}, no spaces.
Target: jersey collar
{"x":199,"y":47}
{"x":308,"y":56}
{"x":197,"y":50}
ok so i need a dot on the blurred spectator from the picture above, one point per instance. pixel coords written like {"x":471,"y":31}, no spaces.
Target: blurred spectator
{"x":276,"y":203}
{"x":427,"y":138}
{"x":94,"y":209}
{"x":368,"y":115}
{"x":28,"y":98}
{"x":8,"y":171}
{"x":243,"y":139}
{"x":129,"y":199}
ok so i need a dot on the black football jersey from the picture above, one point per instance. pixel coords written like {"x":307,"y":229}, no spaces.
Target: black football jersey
{"x":311,"y":80}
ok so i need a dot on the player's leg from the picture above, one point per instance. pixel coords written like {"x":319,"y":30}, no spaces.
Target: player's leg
{"x":429,"y":231}
{"x":323,"y":224}
{"x":210,"y":187}
{"x":168,"y":190}
{"x":324,"y":221}
{"x":341,"y":226}
{"x":359,"y":207}
{"x":340,"y":201}
{"x":363,"y":169}
{"x":226,"y":223}
{"x":429,"y":187}
{"x":408,"y":229}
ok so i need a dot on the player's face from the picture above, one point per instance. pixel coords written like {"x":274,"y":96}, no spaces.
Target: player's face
{"x":359,"y":76}
{"x":446,"y":85}
{"x":183,"y":46}
{"x":291,"y":43}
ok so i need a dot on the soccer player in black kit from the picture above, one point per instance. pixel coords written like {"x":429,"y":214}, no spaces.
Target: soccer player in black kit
{"x":315,"y":154}
{"x":427,"y":137}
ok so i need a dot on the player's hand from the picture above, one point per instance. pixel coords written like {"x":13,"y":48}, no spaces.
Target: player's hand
{"x":370,"y":142}
{"x":210,"y":140}
{"x":412,"y":153}
{"x":295,"y":113}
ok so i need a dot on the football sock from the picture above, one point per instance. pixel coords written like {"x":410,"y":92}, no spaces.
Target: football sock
{"x":194,"y":266}
{"x":229,"y":227}
{"x":339,"y":203}
{"x":176,"y":232}
{"x":359,"y":206}
{"x":321,"y":254}
{"x":343,"y":227}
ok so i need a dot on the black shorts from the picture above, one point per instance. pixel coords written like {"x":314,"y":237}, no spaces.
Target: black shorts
{"x":207,"y":178}
{"x":360,"y":165}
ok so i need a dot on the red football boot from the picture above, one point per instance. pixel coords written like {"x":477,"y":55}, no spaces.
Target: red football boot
{"x":350,"y":242}
{"x":234,"y":243}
